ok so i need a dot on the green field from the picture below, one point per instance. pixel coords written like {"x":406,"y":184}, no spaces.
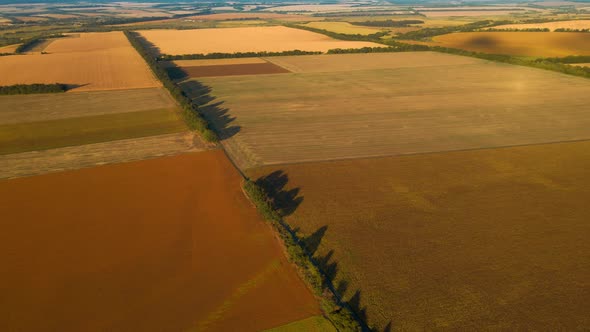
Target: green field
{"x":43,"y":135}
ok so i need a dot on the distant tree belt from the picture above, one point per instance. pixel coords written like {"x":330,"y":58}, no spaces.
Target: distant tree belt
{"x":431,"y":32}
{"x":519,"y":30}
{"x":168,"y":57}
{"x":23,"y":89}
{"x":388,"y":23}
{"x":570,"y":59}
{"x":390,"y":49}
{"x":27,"y":45}
{"x":189,"y":111}
{"x":375,"y":37}
{"x":571,"y":30}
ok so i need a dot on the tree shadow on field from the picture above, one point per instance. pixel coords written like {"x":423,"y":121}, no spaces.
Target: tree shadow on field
{"x":284,"y":200}
{"x":211,"y":108}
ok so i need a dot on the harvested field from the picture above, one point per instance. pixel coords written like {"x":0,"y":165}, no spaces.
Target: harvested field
{"x":542,"y":44}
{"x":576,"y":24}
{"x":233,"y":70}
{"x":231,"y":40}
{"x":17,"y":108}
{"x":212,"y":62}
{"x":94,"y":61}
{"x":343,"y":27}
{"x":91,"y":155}
{"x":137,"y":262}
{"x":42,"y":135}
{"x":9,"y":48}
{"x":472,"y":240}
{"x":351,"y":62}
{"x":276,"y":119}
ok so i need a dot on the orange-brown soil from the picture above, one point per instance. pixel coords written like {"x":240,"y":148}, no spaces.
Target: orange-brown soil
{"x":169,"y":244}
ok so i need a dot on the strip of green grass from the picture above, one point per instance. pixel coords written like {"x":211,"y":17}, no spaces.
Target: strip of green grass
{"x":43,"y":135}
{"x":311,"y":324}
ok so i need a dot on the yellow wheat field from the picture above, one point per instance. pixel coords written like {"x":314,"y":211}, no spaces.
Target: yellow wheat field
{"x":250,"y":39}
{"x":575,"y":24}
{"x":92,"y":61}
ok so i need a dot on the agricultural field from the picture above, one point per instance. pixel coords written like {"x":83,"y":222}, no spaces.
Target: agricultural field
{"x":153,"y":255}
{"x":97,"y":154}
{"x":414,"y":103}
{"x":9,"y":48}
{"x":311,"y":324}
{"x":87,"y":62}
{"x":473,"y":240}
{"x":575,"y":24}
{"x":182,"y":69}
{"x":540,"y":44}
{"x":343,"y":27}
{"x":72,"y":131}
{"x":19,"y":108}
{"x":256,"y":39}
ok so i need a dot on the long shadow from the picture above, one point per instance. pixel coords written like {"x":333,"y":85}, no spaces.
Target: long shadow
{"x":211,"y":109}
{"x":286,"y":200}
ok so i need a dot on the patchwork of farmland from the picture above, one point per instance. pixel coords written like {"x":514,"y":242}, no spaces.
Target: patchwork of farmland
{"x":541,"y":44}
{"x":87,"y":62}
{"x":472,"y":240}
{"x":249,"y":39}
{"x":152,"y":256}
{"x":453,"y":103}
{"x":464,"y":215}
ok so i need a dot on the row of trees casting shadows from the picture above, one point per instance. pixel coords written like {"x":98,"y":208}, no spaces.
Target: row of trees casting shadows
{"x":286,"y":201}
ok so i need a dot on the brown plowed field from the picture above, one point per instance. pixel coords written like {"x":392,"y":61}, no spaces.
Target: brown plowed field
{"x":168,"y":244}
{"x":487,"y":240}
{"x":250,"y":39}
{"x":234,"y":70}
{"x":92,"y":61}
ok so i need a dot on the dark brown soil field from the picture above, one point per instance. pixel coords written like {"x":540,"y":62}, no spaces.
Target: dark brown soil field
{"x":234,"y":70}
{"x":168,"y":244}
{"x":486,"y":240}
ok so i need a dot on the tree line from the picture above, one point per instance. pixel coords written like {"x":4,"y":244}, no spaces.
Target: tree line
{"x":431,"y":32}
{"x":388,"y":23}
{"x":570,"y":59}
{"x":189,"y":111}
{"x":338,"y":312}
{"x":23,"y":89}
{"x":217,"y":55}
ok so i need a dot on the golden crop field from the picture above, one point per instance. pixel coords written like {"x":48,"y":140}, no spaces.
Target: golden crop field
{"x":343,"y":27}
{"x":455,"y":103}
{"x":575,"y":24}
{"x":472,"y":240}
{"x":541,"y":44}
{"x":9,"y":48}
{"x":351,"y":62}
{"x":19,"y":108}
{"x":89,"y":61}
{"x":250,"y":39}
